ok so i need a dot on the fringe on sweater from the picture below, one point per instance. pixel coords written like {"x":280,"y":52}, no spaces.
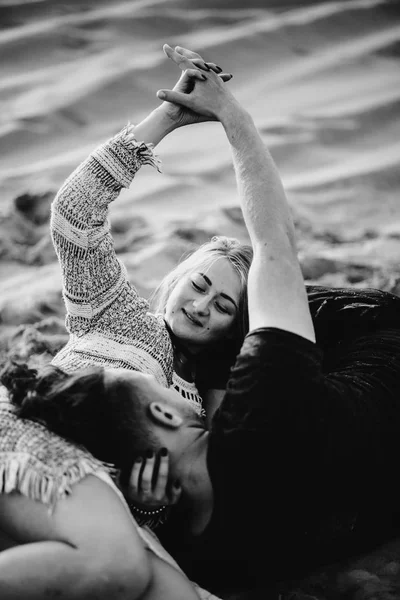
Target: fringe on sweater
{"x":20,"y":473}
{"x":38,"y":463}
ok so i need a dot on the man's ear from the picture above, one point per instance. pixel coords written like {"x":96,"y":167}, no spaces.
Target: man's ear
{"x":164,"y":415}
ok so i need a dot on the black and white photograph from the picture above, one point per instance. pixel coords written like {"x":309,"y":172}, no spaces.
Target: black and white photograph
{"x":200,"y":299}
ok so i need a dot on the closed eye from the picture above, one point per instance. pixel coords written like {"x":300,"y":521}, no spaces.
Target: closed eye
{"x":222,"y":308}
{"x":197,"y":287}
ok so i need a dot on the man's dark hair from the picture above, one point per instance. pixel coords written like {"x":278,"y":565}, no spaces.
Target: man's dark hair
{"x":83,"y":408}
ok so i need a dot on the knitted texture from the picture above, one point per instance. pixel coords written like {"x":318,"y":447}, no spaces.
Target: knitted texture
{"x":38,"y":463}
{"x":109,"y":324}
{"x":44,"y":467}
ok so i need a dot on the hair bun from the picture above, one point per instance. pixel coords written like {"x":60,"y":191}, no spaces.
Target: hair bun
{"x":19,"y":380}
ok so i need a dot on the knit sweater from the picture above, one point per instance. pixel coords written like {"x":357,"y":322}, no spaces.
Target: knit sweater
{"x":38,"y":463}
{"x":108,"y":322}
{"x":44,"y":467}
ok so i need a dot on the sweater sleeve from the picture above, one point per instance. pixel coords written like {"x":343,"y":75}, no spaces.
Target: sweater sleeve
{"x":93,"y":277}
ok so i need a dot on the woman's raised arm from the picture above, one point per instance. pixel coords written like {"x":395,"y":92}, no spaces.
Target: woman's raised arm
{"x":92,"y":275}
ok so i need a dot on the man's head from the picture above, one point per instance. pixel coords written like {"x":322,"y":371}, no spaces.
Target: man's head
{"x":117,"y":414}
{"x":158,"y":416}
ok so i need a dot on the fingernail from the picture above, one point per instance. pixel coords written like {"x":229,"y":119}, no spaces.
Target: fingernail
{"x":139,"y":459}
{"x":163,"y":451}
{"x":161,"y":95}
{"x":207,"y":67}
{"x":218,"y":69}
{"x":203,"y":77}
{"x":149,"y":454}
{"x":230,"y":74}
{"x":177,"y":484}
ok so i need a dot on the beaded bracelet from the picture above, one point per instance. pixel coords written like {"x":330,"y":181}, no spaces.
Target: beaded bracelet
{"x":150,"y":517}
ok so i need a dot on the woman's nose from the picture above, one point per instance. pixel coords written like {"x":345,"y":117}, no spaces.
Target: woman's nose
{"x":202,"y":305}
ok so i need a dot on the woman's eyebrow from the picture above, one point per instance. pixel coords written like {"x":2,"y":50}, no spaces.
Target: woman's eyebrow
{"x":206,"y":279}
{"x":209,"y":282}
{"x":229,"y":298}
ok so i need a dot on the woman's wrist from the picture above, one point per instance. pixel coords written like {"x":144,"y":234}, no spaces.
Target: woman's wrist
{"x":152,"y":517}
{"x":154,"y":127}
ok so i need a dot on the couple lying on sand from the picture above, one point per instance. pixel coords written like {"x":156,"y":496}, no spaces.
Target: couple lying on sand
{"x":243,"y":419}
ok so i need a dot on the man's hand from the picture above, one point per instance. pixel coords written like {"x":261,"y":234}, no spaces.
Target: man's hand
{"x":194,"y":71}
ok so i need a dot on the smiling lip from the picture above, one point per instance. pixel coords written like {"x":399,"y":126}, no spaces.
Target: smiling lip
{"x":192,"y":319}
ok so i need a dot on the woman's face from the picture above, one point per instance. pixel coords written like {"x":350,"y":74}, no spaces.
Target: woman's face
{"x":204,"y":305}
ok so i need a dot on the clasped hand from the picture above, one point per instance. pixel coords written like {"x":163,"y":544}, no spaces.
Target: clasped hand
{"x":200,"y":94}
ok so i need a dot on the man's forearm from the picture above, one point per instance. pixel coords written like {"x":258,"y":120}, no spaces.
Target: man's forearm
{"x":276,"y":290}
{"x":260,"y":189}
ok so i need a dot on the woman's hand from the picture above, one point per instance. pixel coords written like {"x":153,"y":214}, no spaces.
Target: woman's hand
{"x":194,"y":70}
{"x":149,"y":485}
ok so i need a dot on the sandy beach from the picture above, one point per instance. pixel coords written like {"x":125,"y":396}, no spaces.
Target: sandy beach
{"x":321,"y":80}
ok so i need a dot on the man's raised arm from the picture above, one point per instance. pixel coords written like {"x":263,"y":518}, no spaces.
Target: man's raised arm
{"x":277,"y":295}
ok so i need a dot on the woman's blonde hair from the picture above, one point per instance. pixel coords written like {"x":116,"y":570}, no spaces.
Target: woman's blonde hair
{"x":239,"y":255}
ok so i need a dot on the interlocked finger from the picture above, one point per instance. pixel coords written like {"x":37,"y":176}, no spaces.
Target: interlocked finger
{"x":197,"y":60}
{"x":201,"y":74}
{"x":225,"y":76}
{"x":213,"y":67}
{"x":179,"y":59}
{"x":195,"y":74}
{"x":206,"y":66}
{"x":200,"y":64}
{"x":188,"y":53}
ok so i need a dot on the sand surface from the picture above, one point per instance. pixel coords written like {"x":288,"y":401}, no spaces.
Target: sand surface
{"x":321,"y":79}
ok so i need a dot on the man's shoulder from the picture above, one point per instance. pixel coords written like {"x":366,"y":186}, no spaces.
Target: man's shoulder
{"x":269,"y":358}
{"x":273,"y":345}
{"x":348,"y":302}
{"x":340,"y":314}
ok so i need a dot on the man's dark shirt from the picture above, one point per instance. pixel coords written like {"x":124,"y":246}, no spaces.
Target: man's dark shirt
{"x":304,"y":450}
